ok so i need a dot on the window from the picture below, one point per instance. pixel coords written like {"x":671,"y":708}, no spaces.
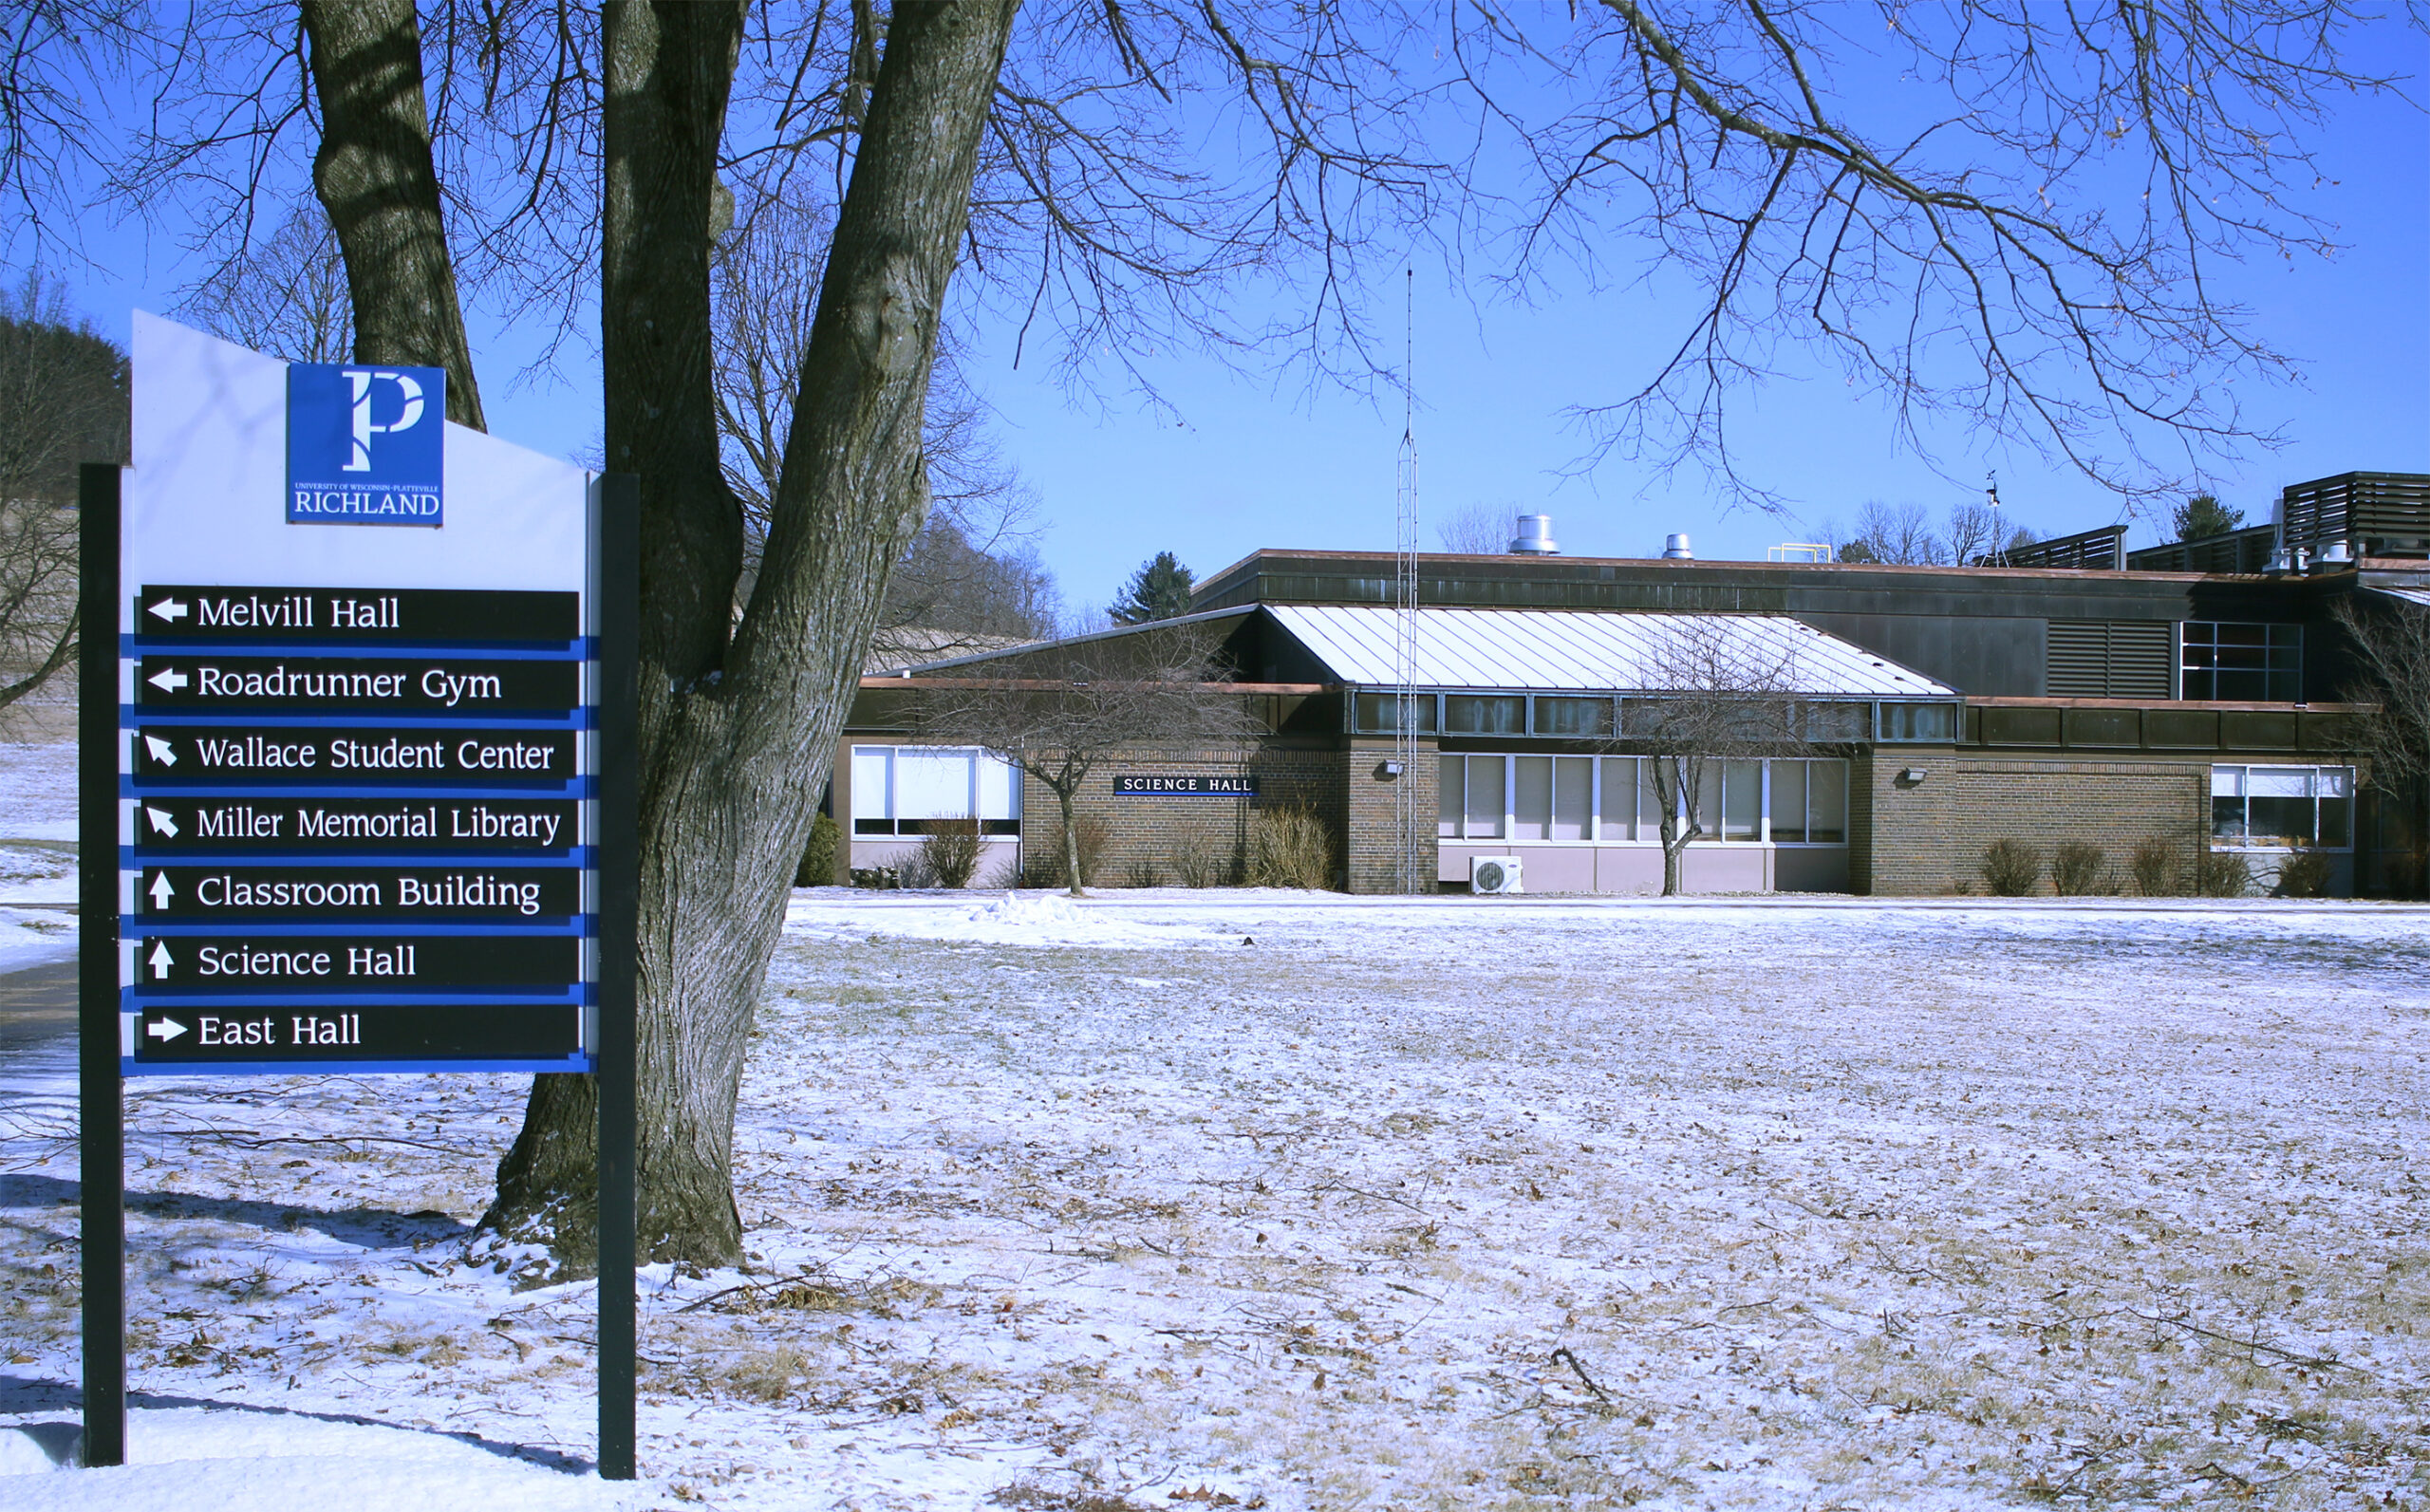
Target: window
{"x":907,"y":789}
{"x":1473,"y":714}
{"x":2242,"y":663}
{"x":1920,"y":721}
{"x":2282,"y":808}
{"x":1378,"y":713}
{"x":1564,"y":799}
{"x":1573,"y":716}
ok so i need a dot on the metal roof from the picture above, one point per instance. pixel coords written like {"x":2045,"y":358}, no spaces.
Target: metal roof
{"x":1584,"y":650}
{"x":2399,"y":591}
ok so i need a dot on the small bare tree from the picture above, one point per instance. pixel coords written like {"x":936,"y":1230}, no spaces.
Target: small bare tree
{"x":1083,"y":704}
{"x":63,"y":400}
{"x":2392,"y":652}
{"x":1477,"y":530}
{"x":1723,"y":693}
{"x":285,"y":294}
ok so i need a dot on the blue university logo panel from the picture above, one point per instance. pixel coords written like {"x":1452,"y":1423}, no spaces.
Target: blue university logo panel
{"x":365,"y":445}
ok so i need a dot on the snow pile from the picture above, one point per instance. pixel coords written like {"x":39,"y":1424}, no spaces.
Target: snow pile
{"x":34,"y":936}
{"x":269,"y":1458}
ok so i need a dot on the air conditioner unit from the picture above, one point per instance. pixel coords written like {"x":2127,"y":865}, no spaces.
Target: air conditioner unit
{"x":1494,"y":874}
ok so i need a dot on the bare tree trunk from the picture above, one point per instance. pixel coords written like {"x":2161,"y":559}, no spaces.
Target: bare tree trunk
{"x":1071,"y":843}
{"x":736,"y":738}
{"x":374,"y":174}
{"x":1669,"y":781}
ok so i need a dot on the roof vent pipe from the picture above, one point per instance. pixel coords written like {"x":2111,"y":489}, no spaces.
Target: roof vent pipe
{"x":1675,"y":548}
{"x":1535,"y":537}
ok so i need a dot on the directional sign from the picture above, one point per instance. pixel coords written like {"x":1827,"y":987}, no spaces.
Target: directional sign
{"x":343,"y":963}
{"x":372,"y":754}
{"x":271,"y":1033}
{"x":341,"y":615}
{"x":258,"y":825}
{"x":491,"y":894}
{"x":255,"y":684}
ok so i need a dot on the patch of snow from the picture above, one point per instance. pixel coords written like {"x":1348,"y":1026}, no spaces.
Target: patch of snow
{"x":38,"y":790}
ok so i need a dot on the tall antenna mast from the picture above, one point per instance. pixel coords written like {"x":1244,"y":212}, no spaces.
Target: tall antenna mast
{"x":1411,"y":826}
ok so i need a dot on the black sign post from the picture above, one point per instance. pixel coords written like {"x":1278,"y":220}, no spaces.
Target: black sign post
{"x":356,"y":829}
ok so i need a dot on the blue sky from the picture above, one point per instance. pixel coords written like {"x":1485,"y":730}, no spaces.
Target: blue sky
{"x":1254,"y":461}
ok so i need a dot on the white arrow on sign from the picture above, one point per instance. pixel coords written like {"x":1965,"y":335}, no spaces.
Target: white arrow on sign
{"x":161,"y":891}
{"x":160,"y":751}
{"x":165,"y":1029}
{"x":160,"y":960}
{"x":170,"y":610}
{"x":168,"y":680}
{"x":162,"y":823}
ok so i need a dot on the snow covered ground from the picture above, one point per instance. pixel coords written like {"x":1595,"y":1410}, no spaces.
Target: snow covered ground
{"x":1180,"y":1200}
{"x":37,"y":853}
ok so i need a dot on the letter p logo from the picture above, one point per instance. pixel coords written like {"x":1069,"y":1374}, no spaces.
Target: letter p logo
{"x":365,"y":427}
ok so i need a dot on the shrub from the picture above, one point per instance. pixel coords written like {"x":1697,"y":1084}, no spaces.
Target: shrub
{"x":1142,"y":871}
{"x":947,"y":857}
{"x":2304,"y":874}
{"x":1042,"y":863}
{"x":818,"y":868}
{"x":2079,"y":867}
{"x":2011,"y":867}
{"x":1289,"y":848}
{"x":2155,"y":867}
{"x":2222,"y":874}
{"x":1200,"y":860}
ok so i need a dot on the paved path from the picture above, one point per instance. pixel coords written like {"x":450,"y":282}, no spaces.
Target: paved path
{"x":37,"y":1004}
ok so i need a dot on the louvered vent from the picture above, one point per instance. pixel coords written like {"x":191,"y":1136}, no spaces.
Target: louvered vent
{"x":2111,"y":658}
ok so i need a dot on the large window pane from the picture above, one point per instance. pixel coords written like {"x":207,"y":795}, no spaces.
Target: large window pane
{"x":1826,"y":804}
{"x":1649,"y":800}
{"x":2278,"y":806}
{"x":1573,"y":796}
{"x":1452,"y":785}
{"x":1379,"y":713}
{"x":999,"y":796}
{"x":1484,"y":796}
{"x":1474,"y":714}
{"x":1578,"y":717}
{"x":2227,"y":804}
{"x":1531,"y":809}
{"x":872,"y":790}
{"x":1918,"y":722}
{"x":1838,"y":722}
{"x":1742,"y":799}
{"x":1618,"y":817}
{"x":1707,"y":809}
{"x":931,"y":784}
{"x":1788,"y":801}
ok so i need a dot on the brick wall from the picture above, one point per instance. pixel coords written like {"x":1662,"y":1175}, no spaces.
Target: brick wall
{"x":1372,"y":821}
{"x":1928,"y":837}
{"x":1143,"y":833}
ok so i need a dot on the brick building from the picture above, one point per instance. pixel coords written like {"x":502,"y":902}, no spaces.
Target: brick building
{"x":2184,"y":698}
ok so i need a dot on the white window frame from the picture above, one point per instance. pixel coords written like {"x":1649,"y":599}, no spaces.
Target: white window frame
{"x":2245,"y":846}
{"x":889,"y":793}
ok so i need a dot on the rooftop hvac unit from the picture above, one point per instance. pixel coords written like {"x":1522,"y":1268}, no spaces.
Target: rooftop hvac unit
{"x":1494,"y":874}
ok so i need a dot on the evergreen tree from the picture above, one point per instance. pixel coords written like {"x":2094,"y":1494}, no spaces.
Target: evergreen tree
{"x":1159,"y":590}
{"x":2203,"y":515}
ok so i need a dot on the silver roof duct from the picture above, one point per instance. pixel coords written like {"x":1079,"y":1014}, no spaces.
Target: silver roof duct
{"x":1676,"y":548}
{"x":1535,"y":537}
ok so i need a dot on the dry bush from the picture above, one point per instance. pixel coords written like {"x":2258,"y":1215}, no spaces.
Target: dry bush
{"x":1142,"y":871}
{"x":2155,"y":869}
{"x":2304,"y":874}
{"x":2079,"y":869}
{"x":947,"y":857}
{"x":2222,"y":874}
{"x":1289,"y":848}
{"x":2011,"y":867}
{"x":1203,"y":861}
{"x":1042,"y":867}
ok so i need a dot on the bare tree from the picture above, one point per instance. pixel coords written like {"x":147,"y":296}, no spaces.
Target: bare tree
{"x":63,"y":400}
{"x":1725,"y":696}
{"x":2391,"y":642}
{"x":1097,"y":700}
{"x":1973,"y":533}
{"x":1478,"y":528}
{"x":1892,"y":534}
{"x":285,"y":294}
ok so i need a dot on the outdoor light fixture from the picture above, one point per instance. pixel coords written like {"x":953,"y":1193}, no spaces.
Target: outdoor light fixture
{"x":1910,"y":775}
{"x":1387,"y":770}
